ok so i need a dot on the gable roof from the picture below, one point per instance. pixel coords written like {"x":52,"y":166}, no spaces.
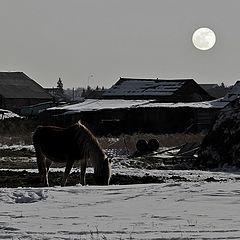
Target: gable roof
{"x":19,"y":85}
{"x":207,"y":86}
{"x":127,"y":88}
{"x":215,"y":90}
{"x":234,"y":92}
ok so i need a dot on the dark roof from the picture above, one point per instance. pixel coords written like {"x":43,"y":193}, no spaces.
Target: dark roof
{"x":207,"y":86}
{"x":215,"y":90}
{"x":19,"y":85}
{"x":147,"y":87}
{"x":177,"y":90}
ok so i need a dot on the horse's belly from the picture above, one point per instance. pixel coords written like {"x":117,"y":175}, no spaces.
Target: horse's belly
{"x":55,"y":154}
{"x":61,"y":155}
{"x":59,"y":159}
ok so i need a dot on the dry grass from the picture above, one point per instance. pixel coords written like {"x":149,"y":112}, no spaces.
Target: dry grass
{"x":19,"y":131}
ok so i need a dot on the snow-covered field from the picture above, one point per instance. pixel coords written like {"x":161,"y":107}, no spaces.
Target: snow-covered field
{"x":188,"y":205}
{"x":183,"y":210}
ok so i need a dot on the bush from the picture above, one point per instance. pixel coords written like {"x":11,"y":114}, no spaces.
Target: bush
{"x":17,"y":130}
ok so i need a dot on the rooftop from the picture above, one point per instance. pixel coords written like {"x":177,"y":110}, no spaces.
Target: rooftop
{"x":101,"y":104}
{"x":19,"y":85}
{"x":145,"y":87}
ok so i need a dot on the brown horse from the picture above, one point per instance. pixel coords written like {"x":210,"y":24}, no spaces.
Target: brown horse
{"x":66,"y":145}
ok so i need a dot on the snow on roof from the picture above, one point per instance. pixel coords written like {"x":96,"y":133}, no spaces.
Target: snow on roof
{"x":7,"y":114}
{"x":100,"y":104}
{"x":145,"y":87}
{"x":207,"y":104}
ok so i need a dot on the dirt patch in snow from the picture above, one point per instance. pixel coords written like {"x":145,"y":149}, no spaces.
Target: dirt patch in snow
{"x":15,"y":158}
{"x":27,"y":179}
{"x":14,"y":179}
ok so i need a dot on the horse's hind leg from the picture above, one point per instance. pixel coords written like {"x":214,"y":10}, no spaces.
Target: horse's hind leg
{"x":67,"y":171}
{"x":83,"y":172}
{"x":41,"y":163}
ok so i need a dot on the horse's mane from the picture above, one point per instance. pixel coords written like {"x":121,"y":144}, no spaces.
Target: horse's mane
{"x":88,"y":143}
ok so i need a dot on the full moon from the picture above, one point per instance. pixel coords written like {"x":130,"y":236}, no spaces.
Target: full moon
{"x":204,"y":38}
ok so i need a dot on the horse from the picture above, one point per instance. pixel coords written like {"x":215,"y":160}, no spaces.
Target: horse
{"x":66,"y":145}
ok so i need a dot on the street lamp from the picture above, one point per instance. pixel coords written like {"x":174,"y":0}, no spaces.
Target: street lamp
{"x":90,"y":76}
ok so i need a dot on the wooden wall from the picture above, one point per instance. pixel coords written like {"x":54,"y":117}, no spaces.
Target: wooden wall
{"x":140,"y":120}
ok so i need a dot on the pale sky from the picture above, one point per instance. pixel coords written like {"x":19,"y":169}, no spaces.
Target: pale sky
{"x":96,"y":42}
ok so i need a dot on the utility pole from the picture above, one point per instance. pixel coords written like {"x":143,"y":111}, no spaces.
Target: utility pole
{"x":73,"y":94}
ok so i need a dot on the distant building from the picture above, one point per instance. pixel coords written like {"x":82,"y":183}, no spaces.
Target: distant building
{"x":215,"y":90}
{"x":233,"y":93}
{"x":18,"y":90}
{"x":179,"y":90}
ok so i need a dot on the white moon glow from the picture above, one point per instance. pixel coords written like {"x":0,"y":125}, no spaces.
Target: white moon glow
{"x":204,"y":38}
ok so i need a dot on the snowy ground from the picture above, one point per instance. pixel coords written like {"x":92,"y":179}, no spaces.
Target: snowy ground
{"x":193,"y":210}
{"x":198,"y":205}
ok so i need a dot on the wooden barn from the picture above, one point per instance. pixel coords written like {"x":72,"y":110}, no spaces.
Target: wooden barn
{"x":140,"y":105}
{"x":18,"y":90}
{"x":117,"y":116}
{"x":179,"y":90}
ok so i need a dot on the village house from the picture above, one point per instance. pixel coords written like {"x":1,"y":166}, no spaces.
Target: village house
{"x":18,"y":90}
{"x":147,"y":106}
{"x":215,"y":90}
{"x":177,"y":90}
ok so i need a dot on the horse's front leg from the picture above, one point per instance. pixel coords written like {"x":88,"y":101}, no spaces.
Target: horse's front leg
{"x":68,"y":168}
{"x":48,"y":164}
{"x":83,"y":172}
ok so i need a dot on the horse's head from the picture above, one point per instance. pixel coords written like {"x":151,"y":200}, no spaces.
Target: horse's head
{"x":102,"y":175}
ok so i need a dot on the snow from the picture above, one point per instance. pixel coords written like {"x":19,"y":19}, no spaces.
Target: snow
{"x":194,"y":209}
{"x":22,"y":196}
{"x":218,"y":103}
{"x":97,"y":104}
{"x":188,"y":208}
{"x":142,"y":87}
{"x":7,"y":114}
{"x":16,"y":147}
{"x":100,"y":104}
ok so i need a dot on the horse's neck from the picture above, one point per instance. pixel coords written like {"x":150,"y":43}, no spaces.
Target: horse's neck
{"x":96,"y":154}
{"x":92,"y":146}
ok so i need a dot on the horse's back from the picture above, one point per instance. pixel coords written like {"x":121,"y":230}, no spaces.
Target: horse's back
{"x":53,"y":141}
{"x":45,"y":134}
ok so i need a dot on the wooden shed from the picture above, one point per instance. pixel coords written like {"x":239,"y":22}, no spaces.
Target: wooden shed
{"x":18,"y":90}
{"x":178,"y":90}
{"x":117,"y":116}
